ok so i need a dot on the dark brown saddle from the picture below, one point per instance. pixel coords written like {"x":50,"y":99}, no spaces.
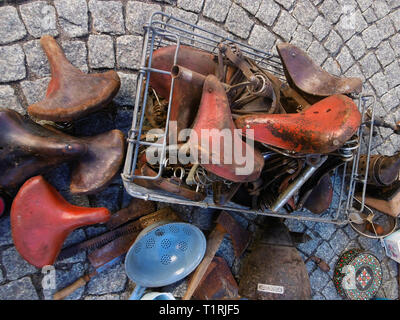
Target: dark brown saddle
{"x":322,"y":128}
{"x":28,"y":149}
{"x":305,"y":75}
{"x":71,"y":93}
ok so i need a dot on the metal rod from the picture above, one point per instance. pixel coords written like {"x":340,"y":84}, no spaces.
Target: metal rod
{"x":295,"y":185}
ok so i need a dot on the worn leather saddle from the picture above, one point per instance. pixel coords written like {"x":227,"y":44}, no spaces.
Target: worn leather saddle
{"x":313,"y":82}
{"x":41,"y":220}
{"x":322,"y":128}
{"x":234,"y":160}
{"x":186,"y":94}
{"x":71,"y":93}
{"x":28,"y":149}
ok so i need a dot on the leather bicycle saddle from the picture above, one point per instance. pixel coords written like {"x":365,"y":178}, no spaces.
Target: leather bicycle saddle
{"x":41,"y":220}
{"x":186,"y":95}
{"x":322,"y":128}
{"x":234,"y":160}
{"x":71,"y":93}
{"x":302,"y":73}
{"x":28,"y":149}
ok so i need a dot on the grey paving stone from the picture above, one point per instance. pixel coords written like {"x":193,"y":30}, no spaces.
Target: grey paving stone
{"x":8,"y":99}
{"x":345,"y":59}
{"x":295,"y":225}
{"x":72,"y":17}
{"x":317,"y":52}
{"x":1,"y":276}
{"x":287,"y":4}
{"x":129,"y":51}
{"x":76,"y":53}
{"x":305,"y":12}
{"x":107,"y":16}
{"x":319,"y":280}
{"x":191,"y":5}
{"x":310,"y":246}
{"x":39,"y":18}
{"x":36,"y":58}
{"x":320,"y":28}
{"x":354,"y":71}
{"x":393,"y":4}
{"x":391,"y":289}
{"x":261,"y":38}
{"x":371,"y":36}
{"x":302,"y":38}
{"x":381,"y":8}
{"x":177,"y":289}
{"x":183,"y":15}
{"x":378,"y":81}
{"x":357,"y":47}
{"x":351,"y":23}
{"x":111,"y":280}
{"x":65,"y":278}
{"x":225,"y":251}
{"x":325,"y":230}
{"x":310,"y":266}
{"x":392,"y":73}
{"x":16,"y":267}
{"x":339,"y":241}
{"x":238,"y":22}
{"x":216,"y":9}
{"x":12,"y":63}
{"x":5,"y":231}
{"x":35,"y":90}
{"x":395,"y":42}
{"x":369,"y":65}
{"x":101,"y":51}
{"x":325,"y":251}
{"x":395,"y":16}
{"x":331,"y":10}
{"x":333,"y":42}
{"x":137,"y":14}
{"x":108,"y":198}
{"x":285,"y":25}
{"x":364,"y":4}
{"x":123,"y":120}
{"x":332,"y":67}
{"x":11,"y":26}
{"x":127,"y":92}
{"x":21,"y":289}
{"x":385,"y":27}
{"x":330,"y":292}
{"x":369,"y":15}
{"x":390,"y":100}
{"x":268,"y":12}
{"x":251,"y":6}
{"x":104,"y":297}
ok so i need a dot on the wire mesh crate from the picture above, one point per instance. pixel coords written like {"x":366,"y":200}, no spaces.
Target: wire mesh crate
{"x":164,"y":30}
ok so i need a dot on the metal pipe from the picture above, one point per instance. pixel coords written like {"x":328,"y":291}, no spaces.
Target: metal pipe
{"x":296,"y":185}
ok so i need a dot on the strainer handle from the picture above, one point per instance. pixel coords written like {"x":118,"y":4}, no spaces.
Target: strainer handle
{"x":137,"y":292}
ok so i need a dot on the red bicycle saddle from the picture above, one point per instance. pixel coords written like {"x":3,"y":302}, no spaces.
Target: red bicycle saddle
{"x":41,"y":220}
{"x":71,"y":93}
{"x":322,"y":128}
{"x":215,"y":116}
{"x":186,"y":95}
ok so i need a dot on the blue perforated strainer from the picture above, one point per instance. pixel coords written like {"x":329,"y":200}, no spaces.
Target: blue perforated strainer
{"x":166,"y":254}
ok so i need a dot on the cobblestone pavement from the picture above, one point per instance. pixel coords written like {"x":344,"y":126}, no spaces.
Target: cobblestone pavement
{"x":101,"y":35}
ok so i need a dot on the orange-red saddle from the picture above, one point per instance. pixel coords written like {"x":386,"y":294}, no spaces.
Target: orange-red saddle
{"x":41,"y":220}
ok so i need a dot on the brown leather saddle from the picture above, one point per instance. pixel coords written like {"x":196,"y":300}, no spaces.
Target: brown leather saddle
{"x":313,"y":82}
{"x":186,"y":94}
{"x":28,"y":149}
{"x":41,"y":220}
{"x":321,"y":128}
{"x":234,"y":160}
{"x":71,"y":93}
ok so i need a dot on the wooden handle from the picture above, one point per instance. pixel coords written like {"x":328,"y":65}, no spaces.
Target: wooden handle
{"x":71,"y":288}
{"x":214,"y":241}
